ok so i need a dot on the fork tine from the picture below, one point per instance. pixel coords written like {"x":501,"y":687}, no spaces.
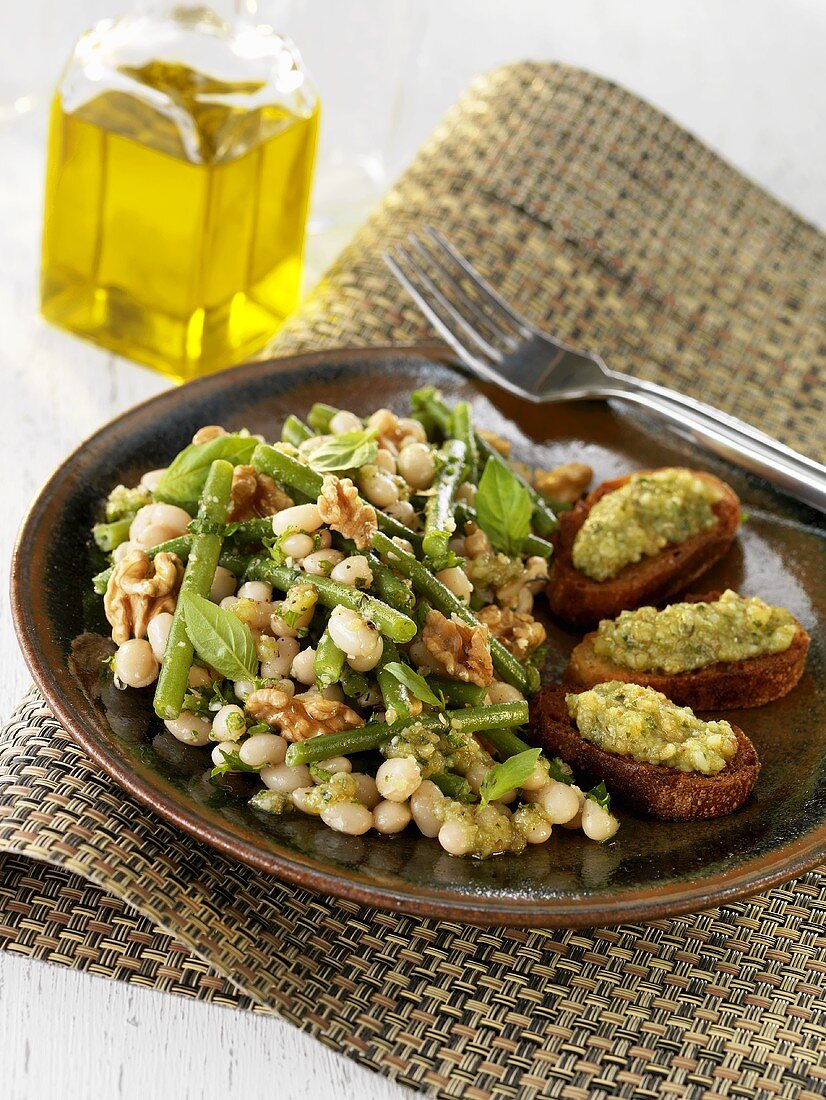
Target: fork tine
{"x":424,"y":291}
{"x":485,"y":289}
{"x":471,"y":307}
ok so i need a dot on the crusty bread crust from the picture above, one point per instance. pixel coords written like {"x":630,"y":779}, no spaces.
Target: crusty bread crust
{"x":726,"y":685}
{"x":582,"y":602}
{"x":661,"y":792}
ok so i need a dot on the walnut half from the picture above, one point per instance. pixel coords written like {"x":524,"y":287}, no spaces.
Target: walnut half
{"x":298,"y":718}
{"x":518,"y":631}
{"x":463,"y":651}
{"x":254,"y":495}
{"x":344,"y":511}
{"x":565,"y":483}
{"x":138,"y":590}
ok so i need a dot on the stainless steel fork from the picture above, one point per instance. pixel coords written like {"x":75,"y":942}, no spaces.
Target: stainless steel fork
{"x":500,"y":345}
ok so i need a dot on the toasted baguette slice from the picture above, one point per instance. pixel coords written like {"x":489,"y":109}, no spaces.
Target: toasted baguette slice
{"x":726,"y":685}
{"x":582,"y":602}
{"x":653,"y":789}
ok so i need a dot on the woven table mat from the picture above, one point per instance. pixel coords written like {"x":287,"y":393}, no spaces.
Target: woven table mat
{"x":607,"y":222}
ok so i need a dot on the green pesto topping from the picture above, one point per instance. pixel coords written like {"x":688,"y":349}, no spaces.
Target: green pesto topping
{"x":271,"y":802}
{"x":435,"y":751}
{"x":490,"y":831}
{"x":685,"y":636}
{"x":122,"y":502}
{"x":340,"y":787}
{"x":641,"y":723}
{"x":637,"y":520}
{"x":493,"y":570}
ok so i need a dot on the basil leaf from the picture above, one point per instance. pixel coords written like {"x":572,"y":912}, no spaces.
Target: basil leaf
{"x":415,"y":684}
{"x":220,"y":638}
{"x":183,"y":482}
{"x":560,"y":771}
{"x":232,"y":762}
{"x":503,"y":507}
{"x":347,"y":451}
{"x":600,"y":795}
{"x":508,"y":776}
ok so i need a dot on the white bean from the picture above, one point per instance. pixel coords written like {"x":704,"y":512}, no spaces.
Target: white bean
{"x":403,"y":511}
{"x":457,"y":581}
{"x":537,"y":779}
{"x":378,"y":486}
{"x":597,"y":823}
{"x":423,"y":803}
{"x":284,"y":777}
{"x":538,"y":831}
{"x":321,"y":562}
{"x":301,"y":517}
{"x":417,"y":465}
{"x":466,"y":492}
{"x":198,"y":677}
{"x":559,"y":802}
{"x":152,"y":479}
{"x":354,"y":571}
{"x":243,"y":689}
{"x":135,"y":663}
{"x":351,"y":633}
{"x":154,"y":535}
{"x":222,"y":749}
{"x":385,"y":461}
{"x":398,"y":778}
{"x":333,"y":693}
{"x":189,"y":728}
{"x":257,"y":591}
{"x":456,"y":837}
{"x":125,"y":548}
{"x":366,"y":790}
{"x":175,"y":519}
{"x":500,"y":692}
{"x":278,"y":656}
{"x":297,"y":546}
{"x":325,"y":539}
{"x":368,"y":660}
{"x":412,"y":429}
{"x":223,"y":584}
{"x":263,"y":749}
{"x":475,"y":774}
{"x":335,"y":764}
{"x":229,"y":723}
{"x":158,"y":631}
{"x":348,"y":817}
{"x":344,"y":422}
{"x":300,"y":799}
{"x":391,"y":817}
{"x":303,"y":666}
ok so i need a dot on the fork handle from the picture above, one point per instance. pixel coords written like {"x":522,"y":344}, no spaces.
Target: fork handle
{"x":732,"y":439}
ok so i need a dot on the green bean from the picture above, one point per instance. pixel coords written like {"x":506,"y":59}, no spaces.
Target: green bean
{"x":428,"y":402}
{"x":391,"y":623}
{"x":494,"y":716}
{"x":319,"y":417}
{"x":295,"y":431}
{"x":110,"y":535}
{"x":394,"y":693}
{"x":458,"y":692}
{"x":463,"y":430}
{"x":439,"y":523}
{"x":329,"y":662}
{"x":533,"y":545}
{"x":353,"y":683}
{"x":290,"y":472}
{"x":426,"y":584}
{"x":327,"y":745}
{"x":197,"y":580}
{"x":505,"y":743}
{"x":454,"y":786}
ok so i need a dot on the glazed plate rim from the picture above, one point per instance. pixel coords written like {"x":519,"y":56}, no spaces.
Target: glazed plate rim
{"x":656,"y":902}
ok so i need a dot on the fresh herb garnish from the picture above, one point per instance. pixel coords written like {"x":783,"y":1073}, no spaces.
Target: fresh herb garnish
{"x":508,"y":776}
{"x":232,"y":762}
{"x":414,"y":682}
{"x":186,"y":476}
{"x":600,"y":795}
{"x":559,"y":770}
{"x":503,"y":507}
{"x":219,"y":638}
{"x":348,"y":451}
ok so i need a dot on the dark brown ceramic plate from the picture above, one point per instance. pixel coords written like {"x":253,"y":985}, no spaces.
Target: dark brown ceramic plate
{"x":649,"y":870}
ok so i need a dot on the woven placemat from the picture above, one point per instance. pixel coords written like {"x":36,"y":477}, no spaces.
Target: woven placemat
{"x":622,"y":233}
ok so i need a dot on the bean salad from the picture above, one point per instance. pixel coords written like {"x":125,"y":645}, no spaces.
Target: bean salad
{"x":345,"y":618}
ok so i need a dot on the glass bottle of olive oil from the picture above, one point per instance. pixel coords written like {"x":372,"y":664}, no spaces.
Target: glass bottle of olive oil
{"x":180,"y":163}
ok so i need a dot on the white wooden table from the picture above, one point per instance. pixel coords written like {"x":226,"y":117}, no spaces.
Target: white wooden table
{"x":744,"y":74}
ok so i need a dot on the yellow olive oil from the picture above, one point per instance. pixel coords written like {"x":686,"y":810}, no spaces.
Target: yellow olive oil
{"x":174,"y":218}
